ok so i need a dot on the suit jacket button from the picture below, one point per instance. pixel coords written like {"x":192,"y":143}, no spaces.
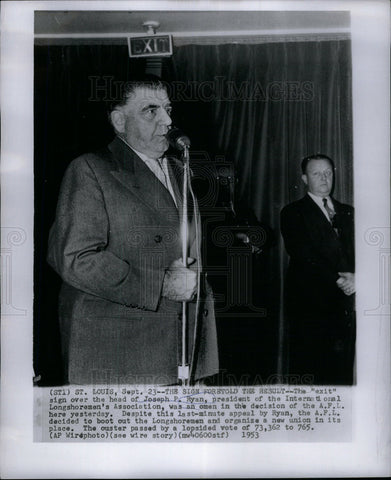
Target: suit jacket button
{"x":158,"y":238}
{"x":206,"y":312}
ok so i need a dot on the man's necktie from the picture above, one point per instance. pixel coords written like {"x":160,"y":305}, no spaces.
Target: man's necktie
{"x":330,"y":213}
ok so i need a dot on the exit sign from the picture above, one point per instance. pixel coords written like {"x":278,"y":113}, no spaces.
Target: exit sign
{"x":150,"y":46}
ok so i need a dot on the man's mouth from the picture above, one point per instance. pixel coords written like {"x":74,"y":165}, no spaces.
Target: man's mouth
{"x":161,"y":138}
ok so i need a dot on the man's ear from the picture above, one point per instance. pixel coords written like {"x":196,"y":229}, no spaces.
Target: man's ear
{"x":118,"y":120}
{"x":304,"y":178}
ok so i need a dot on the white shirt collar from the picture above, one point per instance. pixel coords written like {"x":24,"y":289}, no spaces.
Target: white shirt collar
{"x":319,"y":200}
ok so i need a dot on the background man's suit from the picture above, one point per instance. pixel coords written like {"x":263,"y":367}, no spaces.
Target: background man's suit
{"x":321,"y":317}
{"x":117,"y":229}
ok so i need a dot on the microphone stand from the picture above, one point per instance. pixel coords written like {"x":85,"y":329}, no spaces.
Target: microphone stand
{"x":183,"y":368}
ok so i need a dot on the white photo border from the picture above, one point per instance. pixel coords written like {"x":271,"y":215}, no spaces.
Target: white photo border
{"x":369,"y":452}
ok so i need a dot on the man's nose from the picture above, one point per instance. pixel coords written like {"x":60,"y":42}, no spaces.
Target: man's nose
{"x":165,"y":118}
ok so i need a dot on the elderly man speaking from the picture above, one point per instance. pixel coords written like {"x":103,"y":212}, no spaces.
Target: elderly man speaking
{"x":116,"y":244}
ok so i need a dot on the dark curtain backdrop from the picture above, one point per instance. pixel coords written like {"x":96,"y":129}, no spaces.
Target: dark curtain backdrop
{"x":264,"y":107}
{"x":261,"y":107}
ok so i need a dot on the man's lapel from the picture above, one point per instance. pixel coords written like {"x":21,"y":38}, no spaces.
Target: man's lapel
{"x":316,"y":219}
{"x":132,"y":172}
{"x":343,"y":216}
{"x":339,"y":210}
{"x":313,"y":210}
{"x":175,"y":171}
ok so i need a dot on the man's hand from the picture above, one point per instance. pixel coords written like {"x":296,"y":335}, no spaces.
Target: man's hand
{"x":180,"y":283}
{"x":346,"y":283}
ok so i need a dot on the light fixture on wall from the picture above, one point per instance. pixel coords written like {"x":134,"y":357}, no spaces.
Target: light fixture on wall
{"x":150,"y":27}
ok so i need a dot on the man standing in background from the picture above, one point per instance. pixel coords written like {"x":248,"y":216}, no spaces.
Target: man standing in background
{"x":318,"y":233}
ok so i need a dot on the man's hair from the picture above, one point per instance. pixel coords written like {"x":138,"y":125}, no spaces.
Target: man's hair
{"x":127,"y":89}
{"x":316,"y":156}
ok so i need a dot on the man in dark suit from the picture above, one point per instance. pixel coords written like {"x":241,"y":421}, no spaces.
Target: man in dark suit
{"x":116,"y":243}
{"x":318,"y":233}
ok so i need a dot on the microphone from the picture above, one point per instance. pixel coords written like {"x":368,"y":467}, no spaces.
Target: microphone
{"x":178,"y":139}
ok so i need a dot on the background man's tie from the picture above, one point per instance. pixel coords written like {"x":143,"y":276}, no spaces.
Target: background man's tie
{"x":331,"y":215}
{"x":330,"y":212}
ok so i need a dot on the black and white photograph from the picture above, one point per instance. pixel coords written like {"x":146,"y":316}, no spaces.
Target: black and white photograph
{"x":195,"y":238}
{"x":264,"y":125}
